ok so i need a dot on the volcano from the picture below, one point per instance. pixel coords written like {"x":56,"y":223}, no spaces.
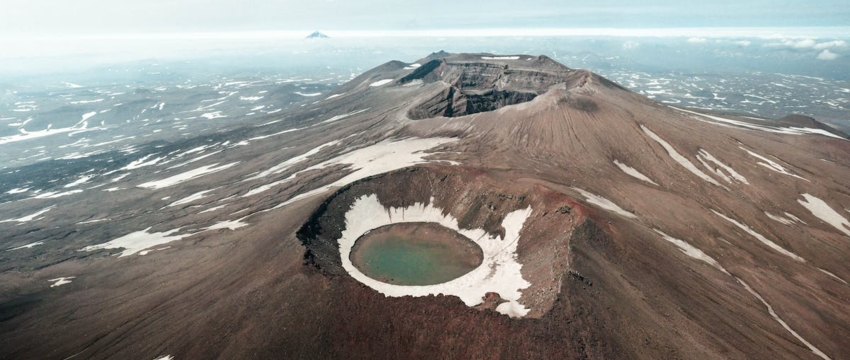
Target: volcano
{"x":564,"y":216}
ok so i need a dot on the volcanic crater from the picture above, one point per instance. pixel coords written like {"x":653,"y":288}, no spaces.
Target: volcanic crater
{"x":473,"y":86}
{"x":602,"y":223}
{"x":511,"y":238}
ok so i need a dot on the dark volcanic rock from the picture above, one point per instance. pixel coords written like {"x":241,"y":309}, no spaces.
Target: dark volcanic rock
{"x":652,"y":232}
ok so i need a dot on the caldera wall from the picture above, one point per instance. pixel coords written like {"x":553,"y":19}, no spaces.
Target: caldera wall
{"x":523,"y":229}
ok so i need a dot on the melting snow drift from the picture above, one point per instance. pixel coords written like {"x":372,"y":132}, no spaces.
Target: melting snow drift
{"x":381,"y":82}
{"x":821,"y":210}
{"x":499,"y":272}
{"x":61,"y":281}
{"x":138,"y":241}
{"x":634,"y":173}
{"x":605,"y":203}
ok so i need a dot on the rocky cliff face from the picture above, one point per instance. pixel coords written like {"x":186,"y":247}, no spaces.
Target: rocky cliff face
{"x":473,"y":86}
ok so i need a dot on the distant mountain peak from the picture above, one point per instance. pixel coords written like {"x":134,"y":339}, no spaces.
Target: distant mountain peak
{"x":317,"y":35}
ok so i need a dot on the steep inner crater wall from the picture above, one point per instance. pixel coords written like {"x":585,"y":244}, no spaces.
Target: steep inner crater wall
{"x":523,"y":251}
{"x":475,"y":87}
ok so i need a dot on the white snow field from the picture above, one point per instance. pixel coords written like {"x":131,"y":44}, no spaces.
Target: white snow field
{"x":499,"y":272}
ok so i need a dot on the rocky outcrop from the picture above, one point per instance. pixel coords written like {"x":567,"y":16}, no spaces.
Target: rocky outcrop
{"x":476,"y":86}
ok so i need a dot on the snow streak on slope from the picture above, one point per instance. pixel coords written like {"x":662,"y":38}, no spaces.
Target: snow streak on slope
{"x":761,"y":238}
{"x":27,"y":246}
{"x":773,"y":129}
{"x":779,"y":218}
{"x":138,"y":241}
{"x":680,"y":159}
{"x":191,"y":198}
{"x":186,"y":176}
{"x":605,"y":203}
{"x":56,"y":194}
{"x":27,"y":218}
{"x":376,"y":159}
{"x":821,"y":210}
{"x":692,"y":251}
{"x":343,"y":116}
{"x":698,"y":254}
{"x":783,"y":323}
{"x":61,"y":281}
{"x":381,"y":82}
{"x":772,"y":165}
{"x":634,"y":173}
{"x":703,"y":156}
{"x":279,"y":168}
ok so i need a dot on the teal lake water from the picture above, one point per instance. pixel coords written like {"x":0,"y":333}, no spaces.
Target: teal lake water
{"x":405,"y":261}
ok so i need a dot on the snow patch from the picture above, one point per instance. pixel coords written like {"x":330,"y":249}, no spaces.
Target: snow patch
{"x":87,"y":115}
{"x":56,"y":194}
{"x":266,"y":187}
{"x":92,"y":221}
{"x":783,"y":323}
{"x":605,"y":203}
{"x":186,"y":176}
{"x":79,"y":181}
{"x":692,"y":251}
{"x":145,"y":252}
{"x":213,"y":115}
{"x":191,"y":198}
{"x":634,"y":173}
{"x":681,"y":159}
{"x":30,"y":217}
{"x":343,"y":116}
{"x":214,"y":208}
{"x":770,"y":164}
{"x":779,"y":218}
{"x":742,"y":124}
{"x":499,"y":272}
{"x":761,"y":238}
{"x":142,"y":162}
{"x":138,"y":241}
{"x":381,"y":82}
{"x":704,"y":156}
{"x":500,"y":58}
{"x":27,"y":246}
{"x":61,"y":281}
{"x":279,"y":168}
{"x":823,"y":211}
{"x":228,"y":224}
{"x":373,"y":160}
{"x":275,"y":134}
{"x":833,"y":276}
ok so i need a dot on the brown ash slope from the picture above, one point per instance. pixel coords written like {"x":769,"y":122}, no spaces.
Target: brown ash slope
{"x":655,"y":232}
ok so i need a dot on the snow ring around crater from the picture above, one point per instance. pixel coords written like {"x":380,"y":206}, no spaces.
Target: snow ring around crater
{"x":499,"y":272}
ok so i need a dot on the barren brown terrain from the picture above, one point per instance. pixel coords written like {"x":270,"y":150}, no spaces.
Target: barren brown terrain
{"x":614,"y":226}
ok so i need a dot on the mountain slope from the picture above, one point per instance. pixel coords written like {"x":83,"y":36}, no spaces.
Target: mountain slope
{"x":649,"y":231}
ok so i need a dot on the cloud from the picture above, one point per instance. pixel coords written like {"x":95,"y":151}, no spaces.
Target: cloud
{"x":829,"y":44}
{"x":809,"y":44}
{"x":827,"y":55}
{"x":743,"y":42}
{"x":630,"y":45}
{"x":801,"y":44}
{"x":697,"y":40}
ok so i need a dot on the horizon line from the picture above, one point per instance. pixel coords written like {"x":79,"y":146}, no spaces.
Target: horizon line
{"x":706,"y":32}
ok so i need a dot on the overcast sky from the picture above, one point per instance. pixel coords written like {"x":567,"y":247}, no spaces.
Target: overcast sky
{"x":71,"y":17}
